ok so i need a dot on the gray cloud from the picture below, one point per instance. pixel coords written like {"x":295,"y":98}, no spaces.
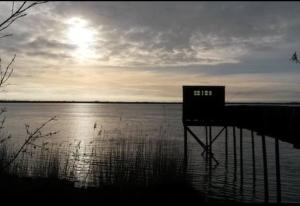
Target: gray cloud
{"x":42,"y":42}
{"x":209,"y":39}
{"x":175,"y":32}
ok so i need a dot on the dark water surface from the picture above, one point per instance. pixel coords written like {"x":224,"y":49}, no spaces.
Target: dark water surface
{"x":76,"y":122}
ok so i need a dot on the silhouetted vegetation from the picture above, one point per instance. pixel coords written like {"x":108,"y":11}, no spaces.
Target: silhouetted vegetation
{"x":105,"y":169}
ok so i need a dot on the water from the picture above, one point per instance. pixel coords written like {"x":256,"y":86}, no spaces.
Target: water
{"x":76,"y":121}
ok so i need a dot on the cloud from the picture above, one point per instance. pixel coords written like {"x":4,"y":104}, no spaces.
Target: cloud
{"x":165,"y":43}
{"x":166,"y":34}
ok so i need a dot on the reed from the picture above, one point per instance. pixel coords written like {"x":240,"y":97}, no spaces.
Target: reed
{"x":122,"y":161}
{"x":129,"y":165}
{"x":144,"y":163}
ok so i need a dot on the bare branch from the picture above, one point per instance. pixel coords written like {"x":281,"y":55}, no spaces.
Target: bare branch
{"x":33,"y":4}
{"x":12,"y":7}
{"x":12,"y":21}
{"x":7,"y":72}
{"x":31,"y":137}
{"x":5,"y":35}
{"x":18,"y":13}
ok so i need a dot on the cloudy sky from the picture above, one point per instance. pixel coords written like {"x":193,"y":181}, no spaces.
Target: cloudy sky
{"x":146,"y":51}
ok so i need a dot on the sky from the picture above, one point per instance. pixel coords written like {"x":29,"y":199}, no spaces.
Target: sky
{"x":146,"y":51}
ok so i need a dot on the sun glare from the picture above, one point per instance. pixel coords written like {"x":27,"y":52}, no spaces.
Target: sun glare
{"x":82,"y":36}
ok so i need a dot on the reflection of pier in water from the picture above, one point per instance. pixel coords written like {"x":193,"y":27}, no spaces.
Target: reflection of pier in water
{"x":205,"y":106}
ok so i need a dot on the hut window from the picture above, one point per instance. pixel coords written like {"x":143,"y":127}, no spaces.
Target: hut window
{"x":196,"y":93}
{"x":203,"y":93}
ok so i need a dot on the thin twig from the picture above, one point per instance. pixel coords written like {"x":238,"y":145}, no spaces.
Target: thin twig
{"x":16,"y":13}
{"x":7,"y":73}
{"x":27,"y":141}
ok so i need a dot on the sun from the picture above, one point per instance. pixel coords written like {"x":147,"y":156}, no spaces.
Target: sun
{"x":82,"y":37}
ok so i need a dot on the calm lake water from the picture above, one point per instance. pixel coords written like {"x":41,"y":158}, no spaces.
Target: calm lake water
{"x":76,"y":122}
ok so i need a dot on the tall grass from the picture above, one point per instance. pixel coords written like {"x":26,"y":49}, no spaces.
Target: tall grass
{"x":122,"y":162}
{"x":142,"y":164}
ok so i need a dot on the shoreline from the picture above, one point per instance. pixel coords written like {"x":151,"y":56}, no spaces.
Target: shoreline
{"x":63,"y":191}
{"x":143,"y":102}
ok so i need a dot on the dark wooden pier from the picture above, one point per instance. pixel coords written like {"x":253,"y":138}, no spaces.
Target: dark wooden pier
{"x":205,"y":106}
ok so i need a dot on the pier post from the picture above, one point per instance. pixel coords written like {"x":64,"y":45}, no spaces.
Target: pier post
{"x":234,"y":150}
{"x":206,"y":142}
{"x":226,"y":147}
{"x":278,"y":180}
{"x":210,"y":147}
{"x":210,"y":154}
{"x":253,"y":158}
{"x":241,"y":157}
{"x":185,"y":146}
{"x":265,"y":163}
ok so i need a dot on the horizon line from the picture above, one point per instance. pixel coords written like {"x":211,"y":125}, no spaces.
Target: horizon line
{"x":133,"y":102}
